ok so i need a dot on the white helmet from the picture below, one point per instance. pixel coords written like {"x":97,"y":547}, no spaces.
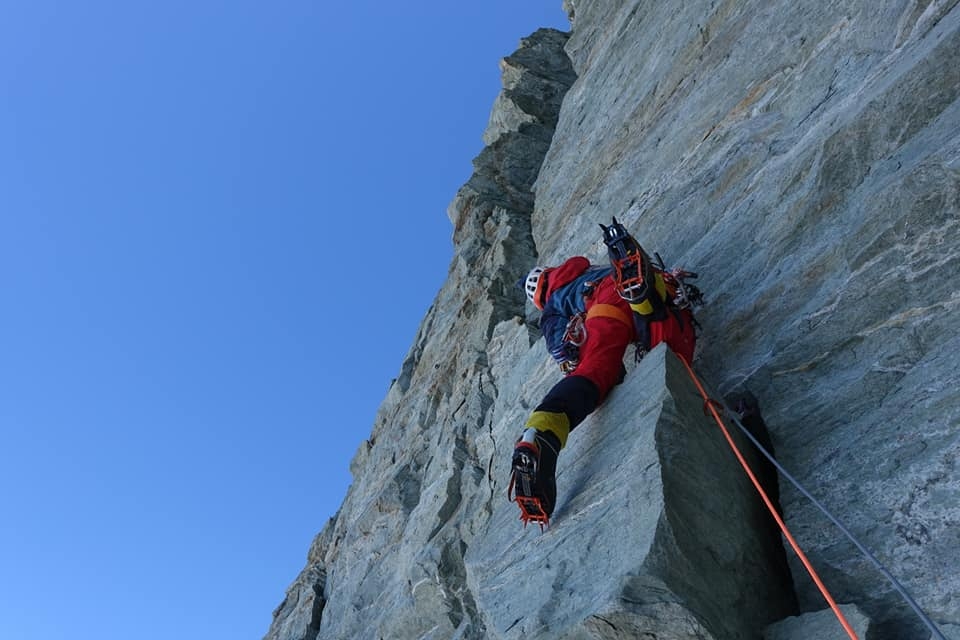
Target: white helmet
{"x":530,"y":286}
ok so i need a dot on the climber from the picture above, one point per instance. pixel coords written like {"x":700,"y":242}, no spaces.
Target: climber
{"x":589,"y":315}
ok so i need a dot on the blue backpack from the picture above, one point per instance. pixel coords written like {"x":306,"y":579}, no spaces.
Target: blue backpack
{"x":569,"y":301}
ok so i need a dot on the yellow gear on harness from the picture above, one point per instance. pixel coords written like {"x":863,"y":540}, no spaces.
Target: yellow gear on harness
{"x":646,"y":308}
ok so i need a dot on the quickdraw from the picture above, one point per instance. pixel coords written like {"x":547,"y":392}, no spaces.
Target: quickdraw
{"x":576,"y":333}
{"x":684,"y":294}
{"x":573,"y":338}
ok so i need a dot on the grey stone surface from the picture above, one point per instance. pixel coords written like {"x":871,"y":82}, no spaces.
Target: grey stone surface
{"x":821,"y":625}
{"x":390,"y":565}
{"x":535,"y":80}
{"x":299,"y":615}
{"x":656,"y":530}
{"x":951,"y":631}
{"x":804,"y":158}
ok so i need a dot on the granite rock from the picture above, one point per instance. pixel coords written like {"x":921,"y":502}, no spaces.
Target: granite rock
{"x":804,"y":158}
{"x":821,"y":625}
{"x":657,"y":531}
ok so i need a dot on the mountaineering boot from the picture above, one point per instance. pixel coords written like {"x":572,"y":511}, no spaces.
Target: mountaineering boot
{"x":533,"y":480}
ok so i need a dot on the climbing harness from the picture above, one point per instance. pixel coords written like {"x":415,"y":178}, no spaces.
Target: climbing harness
{"x":711,"y":406}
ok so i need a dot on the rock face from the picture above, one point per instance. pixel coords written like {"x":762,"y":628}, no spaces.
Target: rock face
{"x":804,"y":158}
{"x":656,"y":529}
{"x":821,"y":625}
{"x":432,"y":472}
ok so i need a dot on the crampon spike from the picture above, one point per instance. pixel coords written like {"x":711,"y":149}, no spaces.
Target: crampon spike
{"x":532,"y":511}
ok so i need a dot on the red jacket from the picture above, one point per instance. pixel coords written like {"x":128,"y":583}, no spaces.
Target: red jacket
{"x":576,"y":286}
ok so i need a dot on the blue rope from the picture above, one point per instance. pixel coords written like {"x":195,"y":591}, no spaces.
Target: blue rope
{"x":896,"y":584}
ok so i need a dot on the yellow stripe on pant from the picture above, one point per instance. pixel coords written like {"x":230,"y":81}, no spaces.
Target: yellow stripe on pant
{"x":556,"y":423}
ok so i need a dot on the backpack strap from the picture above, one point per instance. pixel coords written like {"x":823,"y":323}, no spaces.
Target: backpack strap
{"x":602,"y":310}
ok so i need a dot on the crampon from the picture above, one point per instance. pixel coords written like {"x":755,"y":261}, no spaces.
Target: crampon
{"x":523,"y":482}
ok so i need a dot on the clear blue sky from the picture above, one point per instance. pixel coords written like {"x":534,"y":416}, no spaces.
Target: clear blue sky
{"x":221,"y":223}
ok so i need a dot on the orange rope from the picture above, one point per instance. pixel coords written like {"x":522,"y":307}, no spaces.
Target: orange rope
{"x":710,"y":404}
